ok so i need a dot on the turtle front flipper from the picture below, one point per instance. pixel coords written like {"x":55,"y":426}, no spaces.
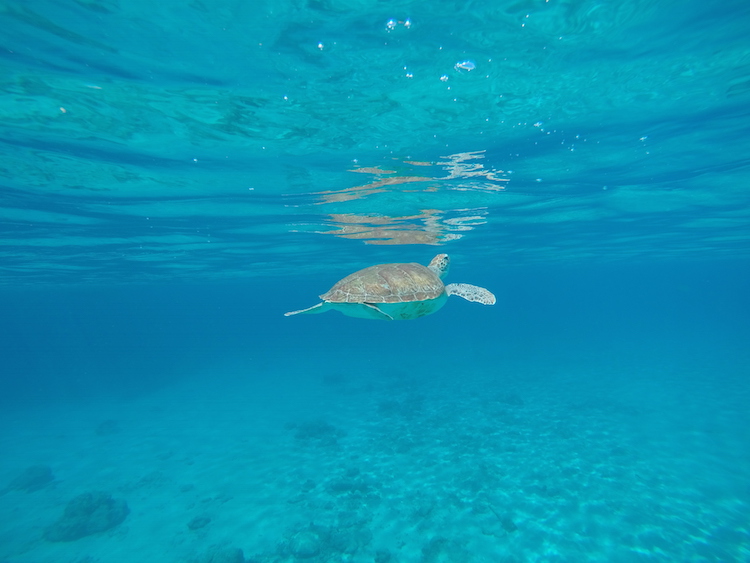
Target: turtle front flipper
{"x":378,"y":312}
{"x":319,"y":308}
{"x":471,"y":293}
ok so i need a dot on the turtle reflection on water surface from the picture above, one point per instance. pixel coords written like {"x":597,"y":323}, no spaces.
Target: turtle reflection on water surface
{"x":396,"y":292}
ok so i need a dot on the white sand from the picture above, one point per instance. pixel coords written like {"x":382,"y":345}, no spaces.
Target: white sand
{"x":606,"y":465}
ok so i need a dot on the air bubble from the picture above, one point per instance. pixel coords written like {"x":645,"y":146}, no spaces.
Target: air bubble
{"x":392,"y":24}
{"x":465,"y":65}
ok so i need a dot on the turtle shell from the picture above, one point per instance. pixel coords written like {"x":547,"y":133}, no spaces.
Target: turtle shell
{"x":387,"y":283}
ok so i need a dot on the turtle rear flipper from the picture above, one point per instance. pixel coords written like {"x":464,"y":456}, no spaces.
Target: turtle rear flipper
{"x":471,"y":293}
{"x":319,"y":308}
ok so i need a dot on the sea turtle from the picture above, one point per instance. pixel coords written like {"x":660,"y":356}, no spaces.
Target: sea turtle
{"x":396,"y":292}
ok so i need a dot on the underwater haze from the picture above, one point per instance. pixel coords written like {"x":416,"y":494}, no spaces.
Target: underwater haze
{"x":177,"y":175}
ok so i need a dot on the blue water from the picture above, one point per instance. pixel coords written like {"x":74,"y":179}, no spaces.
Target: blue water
{"x":174,"y":176}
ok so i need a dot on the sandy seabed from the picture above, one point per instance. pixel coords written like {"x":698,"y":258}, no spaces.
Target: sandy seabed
{"x":393,"y":466}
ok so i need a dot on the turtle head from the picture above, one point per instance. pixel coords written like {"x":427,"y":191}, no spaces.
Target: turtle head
{"x":440,"y":264}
